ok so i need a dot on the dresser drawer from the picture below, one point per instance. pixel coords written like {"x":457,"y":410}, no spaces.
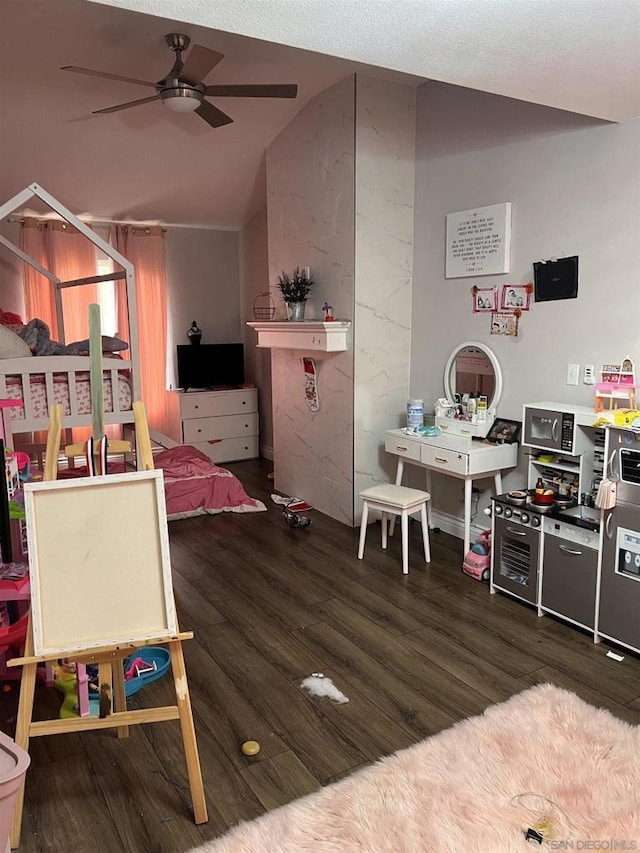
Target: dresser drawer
{"x":230,"y":449}
{"x":218,"y":403}
{"x":204,"y":429}
{"x":402,"y":447}
{"x":450,"y":461}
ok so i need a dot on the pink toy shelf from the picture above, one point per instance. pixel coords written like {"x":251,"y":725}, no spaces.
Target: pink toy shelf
{"x":617,"y":388}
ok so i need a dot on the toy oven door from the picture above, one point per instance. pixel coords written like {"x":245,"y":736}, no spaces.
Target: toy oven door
{"x":516,"y":552}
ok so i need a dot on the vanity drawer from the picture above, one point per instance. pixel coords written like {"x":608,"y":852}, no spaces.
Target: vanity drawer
{"x":450,"y":461}
{"x":204,"y":429}
{"x":402,"y":446}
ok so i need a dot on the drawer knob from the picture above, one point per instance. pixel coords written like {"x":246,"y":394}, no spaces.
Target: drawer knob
{"x":196,"y":407}
{"x":244,"y":402}
{"x":199,"y":430}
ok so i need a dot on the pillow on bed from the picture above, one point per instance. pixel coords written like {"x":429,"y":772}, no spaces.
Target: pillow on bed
{"x":12,"y":345}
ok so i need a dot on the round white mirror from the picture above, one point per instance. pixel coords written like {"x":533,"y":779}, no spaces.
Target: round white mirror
{"x":473,"y":369}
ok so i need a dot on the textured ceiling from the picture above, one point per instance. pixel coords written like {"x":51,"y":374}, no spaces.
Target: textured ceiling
{"x":152,"y":165}
{"x":146,"y":163}
{"x":577,"y":55}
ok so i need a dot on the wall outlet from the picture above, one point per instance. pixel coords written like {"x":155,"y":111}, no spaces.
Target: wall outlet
{"x":573,"y":372}
{"x":588,"y":377}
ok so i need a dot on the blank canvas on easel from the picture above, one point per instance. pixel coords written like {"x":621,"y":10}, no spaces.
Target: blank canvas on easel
{"x":99,"y":562}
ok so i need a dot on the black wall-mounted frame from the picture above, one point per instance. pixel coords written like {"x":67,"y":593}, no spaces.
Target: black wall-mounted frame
{"x":555,"y":279}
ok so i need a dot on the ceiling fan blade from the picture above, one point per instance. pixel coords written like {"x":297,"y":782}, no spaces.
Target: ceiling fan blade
{"x":106,"y":75}
{"x":277,"y":90}
{"x":212,"y":115}
{"x":200,"y":61}
{"x":127,"y":105}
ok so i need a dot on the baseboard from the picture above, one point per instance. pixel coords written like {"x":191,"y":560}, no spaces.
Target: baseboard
{"x":453,"y":524}
{"x":266,"y":452}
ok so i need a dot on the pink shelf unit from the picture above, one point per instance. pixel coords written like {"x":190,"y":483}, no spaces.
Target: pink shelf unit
{"x":615,"y":395}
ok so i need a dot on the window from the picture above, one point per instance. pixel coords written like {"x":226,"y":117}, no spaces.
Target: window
{"x":107,"y":297}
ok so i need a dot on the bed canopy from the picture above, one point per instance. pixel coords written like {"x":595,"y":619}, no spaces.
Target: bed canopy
{"x":127,"y":274}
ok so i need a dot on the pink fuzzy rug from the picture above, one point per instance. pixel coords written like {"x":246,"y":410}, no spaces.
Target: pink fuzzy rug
{"x":454,"y":792}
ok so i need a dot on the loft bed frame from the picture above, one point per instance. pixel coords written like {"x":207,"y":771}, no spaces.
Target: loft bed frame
{"x":67,"y":367}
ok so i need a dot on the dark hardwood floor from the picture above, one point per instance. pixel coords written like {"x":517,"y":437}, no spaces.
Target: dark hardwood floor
{"x":270,"y":605}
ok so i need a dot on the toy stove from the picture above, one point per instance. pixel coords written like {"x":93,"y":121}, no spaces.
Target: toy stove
{"x":517,"y":532}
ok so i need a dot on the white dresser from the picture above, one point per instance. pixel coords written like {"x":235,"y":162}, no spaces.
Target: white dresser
{"x":222,"y":424}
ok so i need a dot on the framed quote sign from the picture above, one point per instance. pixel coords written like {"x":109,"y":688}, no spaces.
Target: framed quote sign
{"x":478,"y":241}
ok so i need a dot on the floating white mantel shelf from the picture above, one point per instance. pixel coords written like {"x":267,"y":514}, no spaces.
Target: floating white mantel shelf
{"x":305,"y":335}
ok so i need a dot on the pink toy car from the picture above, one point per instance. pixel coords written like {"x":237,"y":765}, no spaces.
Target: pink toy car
{"x":477,"y":561}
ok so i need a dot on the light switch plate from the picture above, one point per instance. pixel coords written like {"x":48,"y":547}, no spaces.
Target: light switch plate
{"x":573,"y":372}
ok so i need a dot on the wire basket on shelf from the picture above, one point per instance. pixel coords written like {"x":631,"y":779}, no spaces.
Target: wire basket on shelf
{"x":264,"y":307}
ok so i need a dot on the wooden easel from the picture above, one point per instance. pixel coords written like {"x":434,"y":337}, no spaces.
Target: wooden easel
{"x":110,"y":667}
{"x":109,"y":660}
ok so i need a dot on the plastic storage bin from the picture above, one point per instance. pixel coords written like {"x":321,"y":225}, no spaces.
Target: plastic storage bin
{"x":14,"y":762}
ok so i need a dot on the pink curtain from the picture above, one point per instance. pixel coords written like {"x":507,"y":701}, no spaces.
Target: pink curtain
{"x":38,"y":291}
{"x":73,"y":256}
{"x":68,"y":255}
{"x":144,"y":248}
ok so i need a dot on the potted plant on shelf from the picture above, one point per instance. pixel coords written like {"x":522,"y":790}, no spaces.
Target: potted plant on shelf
{"x":295,"y":290}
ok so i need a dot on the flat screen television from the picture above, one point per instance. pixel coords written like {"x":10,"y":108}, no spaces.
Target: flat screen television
{"x":210,"y":365}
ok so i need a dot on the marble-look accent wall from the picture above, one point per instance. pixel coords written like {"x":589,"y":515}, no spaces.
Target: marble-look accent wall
{"x":340,"y":200}
{"x":310,"y":204}
{"x":384,"y":175}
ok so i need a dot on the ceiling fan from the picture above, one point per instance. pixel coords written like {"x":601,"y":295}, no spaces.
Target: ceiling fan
{"x":182,"y":90}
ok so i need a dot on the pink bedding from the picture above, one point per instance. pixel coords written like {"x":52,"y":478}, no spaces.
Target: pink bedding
{"x":193,"y":485}
{"x":61,"y":394}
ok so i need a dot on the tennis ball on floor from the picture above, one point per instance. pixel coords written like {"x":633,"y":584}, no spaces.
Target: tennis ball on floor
{"x":250,"y":747}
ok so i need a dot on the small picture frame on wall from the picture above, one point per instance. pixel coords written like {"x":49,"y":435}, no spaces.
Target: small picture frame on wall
{"x":504,"y":323}
{"x":515,"y":296}
{"x":485,"y":299}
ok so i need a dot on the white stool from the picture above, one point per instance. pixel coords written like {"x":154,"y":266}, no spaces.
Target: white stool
{"x":391,"y":501}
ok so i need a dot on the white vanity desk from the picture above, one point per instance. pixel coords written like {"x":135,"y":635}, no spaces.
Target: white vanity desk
{"x":472,"y":368}
{"x":455,"y":456}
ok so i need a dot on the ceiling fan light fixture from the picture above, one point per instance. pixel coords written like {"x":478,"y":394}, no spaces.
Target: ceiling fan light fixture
{"x":181,"y":100}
